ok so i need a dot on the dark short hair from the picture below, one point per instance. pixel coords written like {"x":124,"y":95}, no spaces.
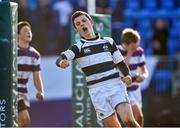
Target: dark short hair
{"x":129,"y":35}
{"x":77,"y":14}
{"x":22,"y":24}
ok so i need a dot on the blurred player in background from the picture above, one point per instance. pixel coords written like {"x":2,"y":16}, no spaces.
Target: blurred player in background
{"x":96,"y":56}
{"x":134,"y":58}
{"x":28,"y":61}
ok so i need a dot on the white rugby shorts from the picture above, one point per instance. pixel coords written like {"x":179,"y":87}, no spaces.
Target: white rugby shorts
{"x":25,"y":98}
{"x":107,"y":95}
{"x":135,"y":97}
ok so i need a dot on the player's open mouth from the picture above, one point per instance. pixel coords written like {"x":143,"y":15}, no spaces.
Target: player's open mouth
{"x":84,"y":29}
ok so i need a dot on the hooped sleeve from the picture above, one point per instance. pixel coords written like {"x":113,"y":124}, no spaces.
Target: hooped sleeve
{"x":123,"y":68}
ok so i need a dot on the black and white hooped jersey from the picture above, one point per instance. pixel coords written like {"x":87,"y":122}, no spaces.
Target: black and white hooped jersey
{"x":97,"y":58}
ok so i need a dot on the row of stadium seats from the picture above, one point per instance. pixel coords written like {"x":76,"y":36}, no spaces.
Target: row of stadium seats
{"x":152,"y":4}
{"x":151,"y":14}
{"x":141,"y":15}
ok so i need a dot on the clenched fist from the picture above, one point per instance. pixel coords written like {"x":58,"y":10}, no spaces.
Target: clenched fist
{"x":127,"y":80}
{"x":139,"y":78}
{"x":40,"y":96}
{"x":64,"y":63}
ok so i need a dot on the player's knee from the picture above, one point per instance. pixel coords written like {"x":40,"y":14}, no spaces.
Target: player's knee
{"x":24,"y":122}
{"x":140,"y":120}
{"x":129,"y":122}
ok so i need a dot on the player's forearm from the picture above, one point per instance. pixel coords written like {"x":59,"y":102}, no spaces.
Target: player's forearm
{"x":123,"y":68}
{"x":144,"y":71}
{"x":39,"y":86}
{"x":38,"y":82}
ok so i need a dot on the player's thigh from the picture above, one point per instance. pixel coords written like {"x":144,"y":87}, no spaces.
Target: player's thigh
{"x":135,"y":97}
{"x":111,"y":121}
{"x":137,"y":111}
{"x":125,"y":111}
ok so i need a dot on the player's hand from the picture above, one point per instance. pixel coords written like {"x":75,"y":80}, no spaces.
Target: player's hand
{"x":139,"y":78}
{"x":127,"y":80}
{"x":64,"y":63}
{"x":130,"y":49}
{"x":40,"y":96}
{"x":130,"y":52}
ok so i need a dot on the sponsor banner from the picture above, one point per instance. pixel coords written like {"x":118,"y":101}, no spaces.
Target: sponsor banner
{"x":8,"y":79}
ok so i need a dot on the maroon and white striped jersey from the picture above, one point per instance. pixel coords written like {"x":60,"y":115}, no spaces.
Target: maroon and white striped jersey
{"x":137,"y":60}
{"x":28,"y":61}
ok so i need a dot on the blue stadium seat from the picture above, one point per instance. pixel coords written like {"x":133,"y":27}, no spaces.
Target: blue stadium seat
{"x":143,"y":14}
{"x":133,"y":4}
{"x":173,"y":47}
{"x":145,"y":33}
{"x":150,"y":4}
{"x":176,"y":23}
{"x":176,"y":13}
{"x":32,"y":4}
{"x":142,"y":43}
{"x":144,"y":23}
{"x":163,"y":13}
{"x":129,"y":14}
{"x":174,"y":32}
{"x":167,"y":4}
{"x":148,"y":50}
{"x":128,"y":23}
